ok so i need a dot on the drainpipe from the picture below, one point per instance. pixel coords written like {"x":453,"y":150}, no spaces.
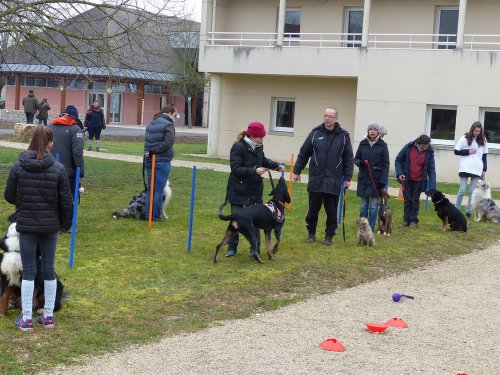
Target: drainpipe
{"x":462,"y":10}
{"x":214,"y":114}
{"x":281,"y":22}
{"x":366,"y":23}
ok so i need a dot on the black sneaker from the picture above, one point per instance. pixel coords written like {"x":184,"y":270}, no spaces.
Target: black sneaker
{"x":468,"y":214}
{"x":311,"y":238}
{"x":230,"y":253}
{"x":328,"y":240}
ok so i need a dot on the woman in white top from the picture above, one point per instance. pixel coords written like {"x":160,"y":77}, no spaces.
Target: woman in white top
{"x":473,"y":148}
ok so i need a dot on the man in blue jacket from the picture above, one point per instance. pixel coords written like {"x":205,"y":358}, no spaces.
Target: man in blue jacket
{"x":330,"y":150}
{"x":416,"y":172}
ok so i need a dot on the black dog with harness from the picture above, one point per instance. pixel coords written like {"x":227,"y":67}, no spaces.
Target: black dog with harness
{"x":249,"y":220}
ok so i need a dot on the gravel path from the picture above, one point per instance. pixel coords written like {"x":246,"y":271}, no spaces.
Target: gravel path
{"x":453,"y":324}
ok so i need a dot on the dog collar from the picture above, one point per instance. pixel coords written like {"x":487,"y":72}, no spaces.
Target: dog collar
{"x":439,"y":201}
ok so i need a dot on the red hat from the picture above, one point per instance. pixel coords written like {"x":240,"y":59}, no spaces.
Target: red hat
{"x":256,"y":129}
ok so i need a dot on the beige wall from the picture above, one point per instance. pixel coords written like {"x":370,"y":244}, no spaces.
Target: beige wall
{"x":249,"y":98}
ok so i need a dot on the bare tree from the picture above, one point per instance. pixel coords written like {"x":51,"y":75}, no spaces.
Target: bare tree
{"x":189,"y":80}
{"x":124,"y":34}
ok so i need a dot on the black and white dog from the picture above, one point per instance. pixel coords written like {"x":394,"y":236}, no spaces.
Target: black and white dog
{"x":11,"y":270}
{"x":137,"y":207}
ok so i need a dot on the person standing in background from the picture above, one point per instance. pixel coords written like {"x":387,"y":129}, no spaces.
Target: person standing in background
{"x":372,"y":159}
{"x":43,"y":112}
{"x":248,"y":163}
{"x":94,"y":123}
{"x":473,"y":150}
{"x":416,"y":172}
{"x":68,"y":143}
{"x":31,"y":105}
{"x":159,"y":140}
{"x":328,"y":146}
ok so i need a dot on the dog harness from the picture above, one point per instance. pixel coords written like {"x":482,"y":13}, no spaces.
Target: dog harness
{"x":278,"y":216}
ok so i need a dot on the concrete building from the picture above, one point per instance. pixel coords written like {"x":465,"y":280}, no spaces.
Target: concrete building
{"x":416,"y":67}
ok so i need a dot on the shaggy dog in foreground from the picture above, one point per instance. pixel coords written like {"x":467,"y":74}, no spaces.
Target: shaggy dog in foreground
{"x":484,"y":207}
{"x":137,"y":207}
{"x":448,"y":213}
{"x":365,"y":233}
{"x":11,"y":270}
{"x":250,"y":219}
{"x":384,"y":214}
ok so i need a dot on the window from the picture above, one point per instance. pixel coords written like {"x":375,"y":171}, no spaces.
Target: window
{"x":154,"y":89}
{"x":353,"y":26}
{"x":441,"y":123}
{"x":283,"y":114}
{"x":77,"y":84}
{"x":446,"y":27}
{"x":11,"y":81}
{"x":98,"y":85}
{"x":292,"y":25}
{"x":491,"y":123}
{"x":28,"y":81}
{"x":51,"y":82}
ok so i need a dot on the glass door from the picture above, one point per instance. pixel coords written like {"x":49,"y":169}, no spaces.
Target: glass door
{"x":353,"y":26}
{"x":96,"y":96}
{"x":446,"y":23}
{"x":115,"y":108}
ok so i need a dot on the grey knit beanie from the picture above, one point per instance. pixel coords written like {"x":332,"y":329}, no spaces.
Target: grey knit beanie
{"x":373,"y":125}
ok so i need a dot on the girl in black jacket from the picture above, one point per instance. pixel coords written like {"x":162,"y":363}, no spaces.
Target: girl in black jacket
{"x":38,"y":186}
{"x":372,"y":159}
{"x":248,"y":164}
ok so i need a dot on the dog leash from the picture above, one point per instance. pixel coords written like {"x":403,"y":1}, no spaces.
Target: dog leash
{"x":343,"y":214}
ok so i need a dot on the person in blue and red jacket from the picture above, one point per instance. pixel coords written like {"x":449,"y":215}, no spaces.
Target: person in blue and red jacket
{"x":416,"y":172}
{"x":68,"y":143}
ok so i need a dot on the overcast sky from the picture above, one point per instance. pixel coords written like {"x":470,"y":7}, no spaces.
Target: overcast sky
{"x":195,"y":5}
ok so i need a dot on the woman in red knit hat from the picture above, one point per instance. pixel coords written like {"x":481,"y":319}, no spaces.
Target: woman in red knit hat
{"x":248,"y":163}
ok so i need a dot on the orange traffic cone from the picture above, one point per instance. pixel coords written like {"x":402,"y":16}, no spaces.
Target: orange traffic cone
{"x":396,"y":322}
{"x":400,"y":194}
{"x":332,"y":345}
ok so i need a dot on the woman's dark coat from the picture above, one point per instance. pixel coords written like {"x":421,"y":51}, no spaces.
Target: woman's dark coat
{"x":378,"y":165}
{"x":160,"y":137}
{"x":40,"y":191}
{"x":244,"y":185}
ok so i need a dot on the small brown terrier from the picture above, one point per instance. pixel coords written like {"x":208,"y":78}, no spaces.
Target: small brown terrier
{"x":384,"y":214}
{"x":365,"y":233}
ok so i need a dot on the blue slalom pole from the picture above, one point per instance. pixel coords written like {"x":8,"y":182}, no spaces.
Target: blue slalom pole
{"x":427,"y":197}
{"x":75,"y":213}
{"x":283,"y":172}
{"x":57,"y":157}
{"x":191,"y":211}
{"x":341,"y":201}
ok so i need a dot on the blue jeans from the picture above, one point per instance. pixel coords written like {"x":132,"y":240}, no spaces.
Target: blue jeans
{"x":42,"y":120}
{"x":29,"y":117}
{"x":461,"y":191}
{"x":368,"y":209}
{"x":162,"y":171}
{"x":29,"y":243}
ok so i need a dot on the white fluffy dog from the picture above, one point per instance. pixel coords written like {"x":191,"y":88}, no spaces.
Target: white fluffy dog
{"x":484,"y":207}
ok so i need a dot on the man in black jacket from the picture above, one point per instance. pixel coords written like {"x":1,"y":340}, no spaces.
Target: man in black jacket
{"x":330,"y":150}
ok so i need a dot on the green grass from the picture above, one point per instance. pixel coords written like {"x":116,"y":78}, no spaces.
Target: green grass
{"x":131,"y":286}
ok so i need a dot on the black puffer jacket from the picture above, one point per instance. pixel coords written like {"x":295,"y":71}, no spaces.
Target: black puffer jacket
{"x":244,"y":185}
{"x":331,"y":157}
{"x":40,"y":190}
{"x":160,"y":137}
{"x":378,"y":164}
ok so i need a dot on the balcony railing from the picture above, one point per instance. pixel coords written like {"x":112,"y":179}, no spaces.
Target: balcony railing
{"x":476,"y":42}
